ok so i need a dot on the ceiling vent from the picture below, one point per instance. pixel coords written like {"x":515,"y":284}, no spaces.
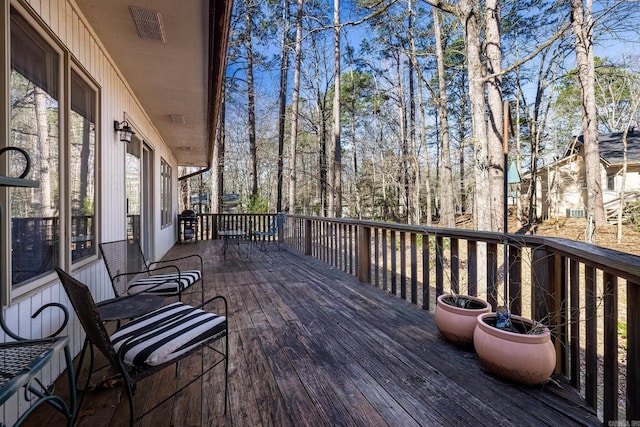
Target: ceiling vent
{"x":149,"y":24}
{"x":177,"y":119}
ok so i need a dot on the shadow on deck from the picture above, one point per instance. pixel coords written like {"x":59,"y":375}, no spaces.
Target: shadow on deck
{"x":312,"y":346}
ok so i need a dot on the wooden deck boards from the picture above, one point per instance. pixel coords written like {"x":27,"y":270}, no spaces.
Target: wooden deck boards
{"x":312,"y":346}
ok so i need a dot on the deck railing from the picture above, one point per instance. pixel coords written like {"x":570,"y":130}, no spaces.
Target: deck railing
{"x":587,"y":295}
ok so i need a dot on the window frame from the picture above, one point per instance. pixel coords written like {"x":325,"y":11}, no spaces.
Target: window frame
{"x":66,"y":64}
{"x":76,"y":68}
{"x":166,"y":194}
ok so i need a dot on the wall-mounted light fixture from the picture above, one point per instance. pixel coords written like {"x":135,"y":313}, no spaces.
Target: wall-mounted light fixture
{"x":125,"y":130}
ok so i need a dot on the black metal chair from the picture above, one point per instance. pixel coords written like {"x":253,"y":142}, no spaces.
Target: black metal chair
{"x":131,"y":274}
{"x":154,"y":341}
{"x":272,"y":233}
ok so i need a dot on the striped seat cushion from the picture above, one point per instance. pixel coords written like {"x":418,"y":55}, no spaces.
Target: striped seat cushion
{"x":165,"y":284}
{"x":166,"y":333}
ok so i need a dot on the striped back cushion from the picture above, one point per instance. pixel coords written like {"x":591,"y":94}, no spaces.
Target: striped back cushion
{"x":166,"y":334}
{"x":165,"y":284}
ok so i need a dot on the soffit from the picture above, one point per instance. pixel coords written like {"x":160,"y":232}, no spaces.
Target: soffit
{"x":172,"y":79}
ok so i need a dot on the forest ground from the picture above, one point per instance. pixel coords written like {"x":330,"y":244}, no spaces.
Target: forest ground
{"x":574,"y":228}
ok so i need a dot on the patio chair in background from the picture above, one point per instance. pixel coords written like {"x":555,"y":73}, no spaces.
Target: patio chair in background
{"x":154,"y":341}
{"x":131,"y":274}
{"x":272,"y":233}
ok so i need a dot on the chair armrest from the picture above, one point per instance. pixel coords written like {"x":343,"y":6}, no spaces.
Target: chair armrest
{"x":156,"y":263}
{"x":36,"y":314}
{"x":135,"y":273}
{"x":149,"y":272}
{"x":216,"y":298}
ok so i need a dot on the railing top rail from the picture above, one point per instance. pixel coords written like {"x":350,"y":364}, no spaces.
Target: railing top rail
{"x":622,"y":264}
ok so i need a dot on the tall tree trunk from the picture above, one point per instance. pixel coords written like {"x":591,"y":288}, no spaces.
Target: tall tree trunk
{"x":322,"y":156}
{"x":493,"y":55}
{"x":354,"y":152}
{"x":217,"y":179}
{"x":582,"y":20}
{"x":322,"y":137}
{"x":468,"y":15}
{"x":295,"y":110}
{"x":413,"y":216}
{"x":282,"y":99}
{"x":447,"y":214}
{"x":43,"y":171}
{"x":337,"y":146}
{"x":85,"y":152}
{"x":251,"y":105}
{"x":402,"y":180}
{"x":462,"y":136}
{"x":428,"y":209}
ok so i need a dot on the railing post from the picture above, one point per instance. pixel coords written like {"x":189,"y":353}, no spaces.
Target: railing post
{"x":364,"y":253}
{"x":633,"y":353}
{"x":610,"y":348}
{"x":307,"y":236}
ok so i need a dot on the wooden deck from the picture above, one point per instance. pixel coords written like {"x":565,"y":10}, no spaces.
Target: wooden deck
{"x":311,"y":346}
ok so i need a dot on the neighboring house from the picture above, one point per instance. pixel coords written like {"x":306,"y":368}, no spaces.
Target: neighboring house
{"x":560,"y":186}
{"x":77,"y":74}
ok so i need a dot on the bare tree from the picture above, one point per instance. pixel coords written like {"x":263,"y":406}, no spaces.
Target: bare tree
{"x":282,"y":99}
{"x":251,"y":100}
{"x":335,"y":198}
{"x":295,"y":109}
{"x":582,"y":21}
{"x":447,"y":214}
{"x":493,"y":55}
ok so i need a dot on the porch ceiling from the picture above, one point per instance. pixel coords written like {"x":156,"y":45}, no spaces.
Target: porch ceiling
{"x":178,"y":81}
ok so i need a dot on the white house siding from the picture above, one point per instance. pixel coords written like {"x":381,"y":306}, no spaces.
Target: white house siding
{"x":115,"y":98}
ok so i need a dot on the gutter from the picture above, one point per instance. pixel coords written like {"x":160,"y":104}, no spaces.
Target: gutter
{"x":196,"y":173}
{"x":219,"y":23}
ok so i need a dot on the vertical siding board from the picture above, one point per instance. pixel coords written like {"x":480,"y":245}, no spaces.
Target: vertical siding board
{"x":54,"y":16}
{"x":68,"y":27}
{"x":35,"y":5}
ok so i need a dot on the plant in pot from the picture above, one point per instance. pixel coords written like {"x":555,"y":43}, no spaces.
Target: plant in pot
{"x":513,"y":348}
{"x":456,"y":317}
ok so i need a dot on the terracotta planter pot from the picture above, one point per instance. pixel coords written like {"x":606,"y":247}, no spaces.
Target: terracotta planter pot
{"x":456,"y":324}
{"x":515,"y":357}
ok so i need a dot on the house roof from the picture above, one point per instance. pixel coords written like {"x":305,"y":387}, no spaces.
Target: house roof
{"x":612,"y":149}
{"x":175,"y":65}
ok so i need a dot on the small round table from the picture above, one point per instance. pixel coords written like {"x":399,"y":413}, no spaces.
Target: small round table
{"x":129,"y":306}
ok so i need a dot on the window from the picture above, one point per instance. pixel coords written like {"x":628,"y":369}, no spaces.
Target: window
{"x":165,"y":190}
{"x":611,"y":182}
{"x":37,"y":215}
{"x":34,"y":124}
{"x":82,"y":171}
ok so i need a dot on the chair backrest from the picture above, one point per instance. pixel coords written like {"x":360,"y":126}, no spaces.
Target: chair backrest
{"x":85,"y":307}
{"x":276,"y":224}
{"x":120,"y":257}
